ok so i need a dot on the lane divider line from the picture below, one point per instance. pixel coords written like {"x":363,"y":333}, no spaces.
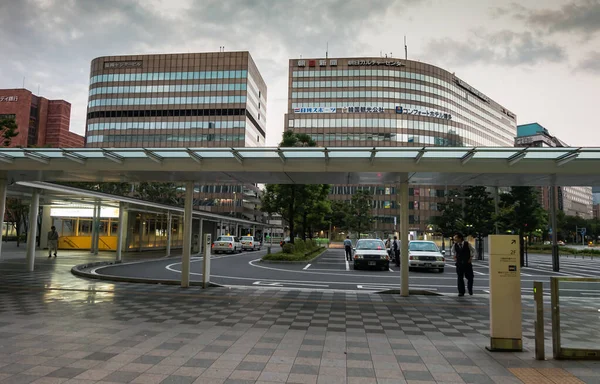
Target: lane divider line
{"x":347,"y":265}
{"x":307,"y":266}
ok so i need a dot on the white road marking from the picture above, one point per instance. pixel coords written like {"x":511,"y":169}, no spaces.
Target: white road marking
{"x":479,"y":273}
{"x":347,"y":265}
{"x":391,"y":270}
{"x":305,"y":268}
{"x":267,"y":284}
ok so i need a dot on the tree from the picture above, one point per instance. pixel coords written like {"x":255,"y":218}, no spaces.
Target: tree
{"x":340,"y":211}
{"x":360,"y":218}
{"x":162,"y":193}
{"x":451,"y":220}
{"x":316,"y":205}
{"x":288,"y":199}
{"x":17,"y":213}
{"x":521,"y":213}
{"x":8,"y":130}
{"x":478,"y":214}
{"x":120,"y":189}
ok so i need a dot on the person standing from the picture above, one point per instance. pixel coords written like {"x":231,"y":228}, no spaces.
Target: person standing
{"x":396,"y":251}
{"x":52,"y":241}
{"x":463,"y":256}
{"x":348,"y":248}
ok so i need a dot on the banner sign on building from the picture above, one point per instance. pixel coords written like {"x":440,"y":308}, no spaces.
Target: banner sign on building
{"x":123,"y":64}
{"x":373,"y":62}
{"x":316,"y":110}
{"x":422,"y":112}
{"x":9,"y":98}
{"x":472,"y":90}
{"x":363,"y":109}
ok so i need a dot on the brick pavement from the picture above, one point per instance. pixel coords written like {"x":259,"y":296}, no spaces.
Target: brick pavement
{"x":58,"y":328}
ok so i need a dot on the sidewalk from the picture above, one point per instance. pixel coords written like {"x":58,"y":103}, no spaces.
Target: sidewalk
{"x":58,"y":328}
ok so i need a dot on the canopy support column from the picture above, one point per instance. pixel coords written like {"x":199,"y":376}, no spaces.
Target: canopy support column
{"x":122,"y":232}
{"x":402,"y":191}
{"x":555,"y":255}
{"x":3,"y":187}
{"x":187,"y":234}
{"x":31,"y":236}
{"x":200,"y":238}
{"x":169,"y":232}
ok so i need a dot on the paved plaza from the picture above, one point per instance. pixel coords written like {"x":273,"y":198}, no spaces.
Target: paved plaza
{"x":59,"y":328}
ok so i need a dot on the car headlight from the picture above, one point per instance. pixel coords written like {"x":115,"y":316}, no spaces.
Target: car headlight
{"x":384,"y":257}
{"x":415,"y":257}
{"x":439,"y":258}
{"x":358,"y":256}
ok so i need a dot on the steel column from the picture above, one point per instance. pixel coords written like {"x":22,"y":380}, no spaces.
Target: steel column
{"x":555,"y":255}
{"x":403,"y":189}
{"x":3,"y":188}
{"x":122,"y":232}
{"x":31,"y":236}
{"x":169,"y":232}
{"x":187,"y":234}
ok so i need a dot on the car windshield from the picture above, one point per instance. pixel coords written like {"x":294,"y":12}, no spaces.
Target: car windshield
{"x":422,"y":246}
{"x":225,"y":238}
{"x":370,"y":244}
{"x":247,"y":238}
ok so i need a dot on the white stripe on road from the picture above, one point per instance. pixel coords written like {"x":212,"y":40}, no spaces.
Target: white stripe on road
{"x":391,"y":270}
{"x":305,"y":268}
{"x":347,"y":265}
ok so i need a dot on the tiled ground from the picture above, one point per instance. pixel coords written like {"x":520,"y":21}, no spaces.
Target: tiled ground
{"x":57,"y":328}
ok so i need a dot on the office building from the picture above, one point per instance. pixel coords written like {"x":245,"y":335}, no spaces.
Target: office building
{"x":215,"y":99}
{"x":387,"y":102}
{"x":573,"y":201}
{"x":41,"y":122}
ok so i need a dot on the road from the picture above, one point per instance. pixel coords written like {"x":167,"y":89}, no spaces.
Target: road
{"x":331,"y":271}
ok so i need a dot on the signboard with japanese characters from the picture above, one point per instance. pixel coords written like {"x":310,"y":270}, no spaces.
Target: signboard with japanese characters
{"x":505,"y":293}
{"x":363,"y":109}
{"x":9,"y":98}
{"x":316,"y":110}
{"x":123,"y":64}
{"x":388,"y":63}
{"x":423,"y":112}
{"x":322,"y":63}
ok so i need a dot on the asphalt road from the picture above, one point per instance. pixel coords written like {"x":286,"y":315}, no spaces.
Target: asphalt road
{"x":330,"y":271}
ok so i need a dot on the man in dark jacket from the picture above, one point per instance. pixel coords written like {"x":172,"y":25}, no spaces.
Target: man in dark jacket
{"x":396,"y":251}
{"x":463,"y":256}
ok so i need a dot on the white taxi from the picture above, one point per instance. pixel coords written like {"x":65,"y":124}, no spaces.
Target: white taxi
{"x":250,"y":242}
{"x":226,"y":244}
{"x":425,"y":255}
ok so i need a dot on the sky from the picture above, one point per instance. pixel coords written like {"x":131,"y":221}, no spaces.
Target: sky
{"x":540,"y":59}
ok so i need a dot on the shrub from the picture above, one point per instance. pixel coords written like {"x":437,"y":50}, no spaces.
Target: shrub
{"x":288,"y":248}
{"x":310,"y":245}
{"x":299,"y":245}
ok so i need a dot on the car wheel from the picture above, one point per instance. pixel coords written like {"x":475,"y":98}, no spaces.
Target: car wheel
{"x":441,"y":270}
{"x":356,"y":266}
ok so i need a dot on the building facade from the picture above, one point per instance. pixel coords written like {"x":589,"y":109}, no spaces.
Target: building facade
{"x":386,"y":102}
{"x":41,"y":122}
{"x":215,"y":99}
{"x":573,"y":201}
{"x":172,"y":100}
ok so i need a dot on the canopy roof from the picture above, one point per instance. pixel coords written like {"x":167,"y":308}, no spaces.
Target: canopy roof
{"x":490,"y":166}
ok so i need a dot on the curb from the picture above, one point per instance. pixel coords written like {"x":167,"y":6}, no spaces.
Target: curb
{"x":418,"y":292}
{"x":293,"y":262}
{"x":78,"y":271}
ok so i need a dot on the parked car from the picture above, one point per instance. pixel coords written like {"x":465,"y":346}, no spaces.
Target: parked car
{"x":250,"y":242}
{"x":560,"y":242}
{"x":371,"y":253}
{"x":425,"y":255}
{"x":284,"y":241}
{"x":226,"y":244}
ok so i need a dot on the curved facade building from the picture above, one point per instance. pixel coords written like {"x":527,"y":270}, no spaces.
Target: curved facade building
{"x":379,"y":102}
{"x":215,"y":99}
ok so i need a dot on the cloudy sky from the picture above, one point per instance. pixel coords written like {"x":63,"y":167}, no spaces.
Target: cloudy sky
{"x":541,"y":59}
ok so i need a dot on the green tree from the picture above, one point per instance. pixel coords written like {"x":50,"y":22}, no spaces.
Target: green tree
{"x":314,"y":209}
{"x":451,"y":220}
{"x":340,"y":211}
{"x":288,"y":199}
{"x":360,"y":218}
{"x":17,"y":213}
{"x":162,"y":193}
{"x":479,"y":212}
{"x":8,"y":130}
{"x":521,"y":213}
{"x":119,"y":189}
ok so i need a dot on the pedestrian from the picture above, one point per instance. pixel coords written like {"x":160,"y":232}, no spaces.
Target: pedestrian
{"x":463,"y":256}
{"x":396,"y":251}
{"x":348,"y":248}
{"x":52,"y":241}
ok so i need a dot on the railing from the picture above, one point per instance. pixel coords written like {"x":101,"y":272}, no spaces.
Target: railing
{"x":585,"y":307}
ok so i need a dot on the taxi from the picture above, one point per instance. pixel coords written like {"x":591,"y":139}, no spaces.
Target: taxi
{"x":226,"y":244}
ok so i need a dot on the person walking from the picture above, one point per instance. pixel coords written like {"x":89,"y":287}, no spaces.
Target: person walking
{"x":463,"y":256}
{"x":348,"y":248}
{"x":52,"y":241}
{"x":396,"y":251}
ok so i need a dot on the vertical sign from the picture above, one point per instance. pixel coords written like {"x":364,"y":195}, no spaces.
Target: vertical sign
{"x":505,"y":294}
